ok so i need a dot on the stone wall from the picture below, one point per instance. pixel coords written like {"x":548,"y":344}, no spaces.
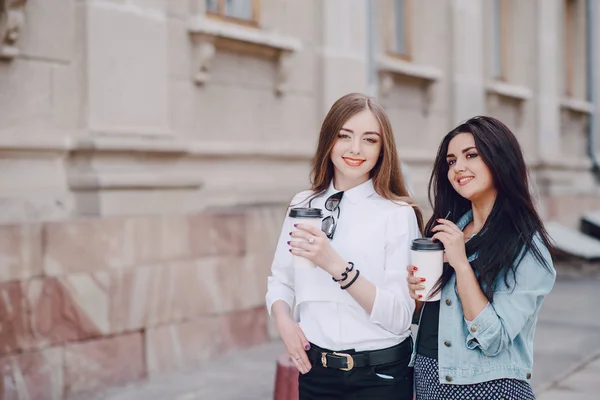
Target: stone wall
{"x":568,"y":210}
{"x":91,"y":303}
{"x":124,"y":123}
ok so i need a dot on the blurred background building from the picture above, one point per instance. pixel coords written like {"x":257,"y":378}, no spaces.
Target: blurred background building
{"x":149,"y":149}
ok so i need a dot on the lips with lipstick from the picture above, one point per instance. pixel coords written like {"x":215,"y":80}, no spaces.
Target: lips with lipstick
{"x":463,"y":180}
{"x":353,"y":162}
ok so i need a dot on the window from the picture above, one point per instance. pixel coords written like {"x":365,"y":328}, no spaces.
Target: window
{"x":240,"y":11}
{"x":575,"y":53}
{"x":500,"y":39}
{"x":400,"y":29}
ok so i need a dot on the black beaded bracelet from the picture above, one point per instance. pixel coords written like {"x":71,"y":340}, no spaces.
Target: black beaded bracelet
{"x":345,"y":273}
{"x":352,"y":281}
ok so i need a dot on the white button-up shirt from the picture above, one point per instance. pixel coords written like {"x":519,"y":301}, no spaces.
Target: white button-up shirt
{"x":375,"y":234}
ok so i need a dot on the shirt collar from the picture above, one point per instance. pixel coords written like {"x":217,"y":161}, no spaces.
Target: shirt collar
{"x":355,"y":194}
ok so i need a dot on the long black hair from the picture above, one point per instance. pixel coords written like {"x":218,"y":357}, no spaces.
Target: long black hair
{"x":509,"y":231}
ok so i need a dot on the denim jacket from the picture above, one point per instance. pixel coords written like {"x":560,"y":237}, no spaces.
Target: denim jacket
{"x":498,"y":343}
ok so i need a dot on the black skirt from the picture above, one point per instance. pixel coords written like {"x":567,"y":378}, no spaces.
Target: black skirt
{"x":428,"y":386}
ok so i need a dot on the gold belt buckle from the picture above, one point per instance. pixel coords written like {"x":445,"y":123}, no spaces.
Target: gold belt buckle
{"x":349,"y":360}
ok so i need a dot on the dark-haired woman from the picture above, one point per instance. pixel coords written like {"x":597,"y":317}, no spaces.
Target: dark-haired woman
{"x":477,"y":341}
{"x":350,"y":333}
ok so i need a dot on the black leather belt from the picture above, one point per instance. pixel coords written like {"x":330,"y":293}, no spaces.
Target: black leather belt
{"x":347,"y":360}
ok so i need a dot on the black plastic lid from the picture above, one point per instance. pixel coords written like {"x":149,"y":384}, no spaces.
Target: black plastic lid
{"x":306,"y":213}
{"x":426,"y":244}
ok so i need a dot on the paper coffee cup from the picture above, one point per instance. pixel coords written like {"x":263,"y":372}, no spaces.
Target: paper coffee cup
{"x":428,"y":256}
{"x":308,"y":216}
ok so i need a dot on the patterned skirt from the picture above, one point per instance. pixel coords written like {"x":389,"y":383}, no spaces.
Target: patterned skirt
{"x":428,"y":386}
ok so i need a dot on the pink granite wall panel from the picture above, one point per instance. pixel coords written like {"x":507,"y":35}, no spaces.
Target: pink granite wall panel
{"x":98,"y":364}
{"x":34,"y":376}
{"x":20,"y":251}
{"x":92,"y":303}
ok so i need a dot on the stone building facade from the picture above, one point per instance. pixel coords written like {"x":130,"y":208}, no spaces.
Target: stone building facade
{"x":149,"y":147}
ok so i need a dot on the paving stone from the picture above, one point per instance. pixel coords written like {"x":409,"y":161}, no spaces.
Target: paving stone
{"x":251,"y":370}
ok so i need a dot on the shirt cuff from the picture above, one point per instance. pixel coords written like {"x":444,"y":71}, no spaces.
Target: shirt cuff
{"x":388,"y":313}
{"x":480,"y":324}
{"x":272,"y":299}
{"x":378,"y":313}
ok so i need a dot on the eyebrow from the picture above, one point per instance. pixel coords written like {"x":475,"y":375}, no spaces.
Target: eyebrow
{"x":366,"y":133}
{"x":464,"y":151}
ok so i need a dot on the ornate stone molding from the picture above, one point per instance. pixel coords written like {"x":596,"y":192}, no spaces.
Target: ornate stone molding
{"x":283,"y":71}
{"x":103,"y":180}
{"x":509,"y":90}
{"x":390,"y":66}
{"x":166,"y":147}
{"x":12,"y":18}
{"x":205,"y":53}
{"x":577,"y":105}
{"x":497,"y":90}
{"x":208,"y":35}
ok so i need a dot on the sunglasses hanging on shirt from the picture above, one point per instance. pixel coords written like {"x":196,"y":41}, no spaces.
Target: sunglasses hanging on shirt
{"x":332,"y":204}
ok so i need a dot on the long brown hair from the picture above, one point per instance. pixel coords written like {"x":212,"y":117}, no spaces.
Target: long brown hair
{"x":387,"y":176}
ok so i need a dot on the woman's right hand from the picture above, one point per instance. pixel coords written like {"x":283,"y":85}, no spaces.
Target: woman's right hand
{"x":295,"y":342}
{"x":414,"y":283}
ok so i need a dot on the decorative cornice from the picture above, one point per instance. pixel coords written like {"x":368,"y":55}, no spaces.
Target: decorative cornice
{"x":162,"y":146}
{"x":389,"y":66}
{"x":517,"y":93}
{"x":103,"y":180}
{"x":12,"y":18}
{"x":209,"y":35}
{"x":577,"y":105}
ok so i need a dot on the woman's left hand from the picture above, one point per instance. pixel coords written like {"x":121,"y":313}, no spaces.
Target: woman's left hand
{"x":453,"y":240}
{"x":319,"y":251}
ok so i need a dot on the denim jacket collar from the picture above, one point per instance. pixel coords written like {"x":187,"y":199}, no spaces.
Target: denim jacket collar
{"x":465,"y":220}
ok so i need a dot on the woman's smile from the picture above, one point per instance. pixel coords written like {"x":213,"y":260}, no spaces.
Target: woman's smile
{"x":462,"y":181}
{"x":353,"y":162}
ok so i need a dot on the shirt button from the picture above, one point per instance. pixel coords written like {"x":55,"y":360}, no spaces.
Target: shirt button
{"x":448,"y":302}
{"x":473,"y":328}
{"x":448,"y":378}
{"x":447,"y":344}
{"x":528,"y":375}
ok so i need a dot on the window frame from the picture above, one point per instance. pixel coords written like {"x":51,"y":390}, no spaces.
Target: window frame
{"x":575,"y":50}
{"x":391,"y":30}
{"x":571,"y":20}
{"x":501,"y":10}
{"x":570,"y":17}
{"x":222,"y":16}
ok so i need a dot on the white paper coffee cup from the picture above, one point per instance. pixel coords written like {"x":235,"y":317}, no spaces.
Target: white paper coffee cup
{"x":308,"y":216}
{"x":428,"y":257}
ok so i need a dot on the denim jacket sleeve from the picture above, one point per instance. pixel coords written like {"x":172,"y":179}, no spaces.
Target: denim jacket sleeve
{"x":497,"y":325}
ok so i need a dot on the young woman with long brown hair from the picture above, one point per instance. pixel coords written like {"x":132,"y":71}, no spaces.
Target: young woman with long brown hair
{"x":354,"y":342}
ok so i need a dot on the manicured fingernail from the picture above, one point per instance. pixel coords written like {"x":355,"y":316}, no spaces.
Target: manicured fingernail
{"x":290,"y":233}
{"x":421,"y":287}
{"x":420,"y":295}
{"x":295,"y":225}
{"x":307,"y":347}
{"x":289,"y":243}
{"x":422,"y":279}
{"x":290,"y":250}
{"x":415,"y":268}
{"x":437,"y":219}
